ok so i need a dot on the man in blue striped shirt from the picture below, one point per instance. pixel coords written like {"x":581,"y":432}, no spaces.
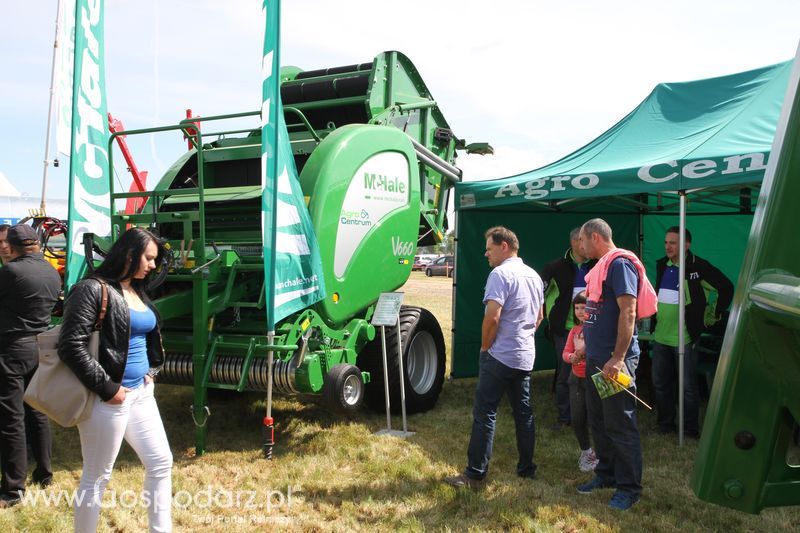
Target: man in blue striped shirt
{"x":513,"y":298}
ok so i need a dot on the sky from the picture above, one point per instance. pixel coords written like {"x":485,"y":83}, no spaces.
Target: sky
{"x":535,"y":79}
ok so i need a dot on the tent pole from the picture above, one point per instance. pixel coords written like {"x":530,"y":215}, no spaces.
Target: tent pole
{"x":47,"y":161}
{"x":641,"y":236}
{"x":453,"y":296}
{"x":681,"y":312}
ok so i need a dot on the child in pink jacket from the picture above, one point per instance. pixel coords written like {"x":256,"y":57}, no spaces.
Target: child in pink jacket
{"x":575,"y":353}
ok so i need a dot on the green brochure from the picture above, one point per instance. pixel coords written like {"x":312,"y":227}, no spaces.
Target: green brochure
{"x":606,"y":386}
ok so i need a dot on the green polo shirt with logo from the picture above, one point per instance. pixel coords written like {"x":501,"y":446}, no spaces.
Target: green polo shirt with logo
{"x":666,"y":332}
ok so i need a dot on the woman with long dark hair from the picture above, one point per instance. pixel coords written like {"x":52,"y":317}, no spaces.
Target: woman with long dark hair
{"x":129,"y":356}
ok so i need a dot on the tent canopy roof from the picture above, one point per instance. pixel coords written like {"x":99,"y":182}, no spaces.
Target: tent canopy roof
{"x":714,"y":133}
{"x":6,"y":189}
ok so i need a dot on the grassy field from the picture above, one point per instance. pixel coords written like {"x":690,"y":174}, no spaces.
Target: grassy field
{"x":342,"y":477}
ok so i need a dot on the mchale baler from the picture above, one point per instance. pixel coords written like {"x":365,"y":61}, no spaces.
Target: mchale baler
{"x":375,"y":161}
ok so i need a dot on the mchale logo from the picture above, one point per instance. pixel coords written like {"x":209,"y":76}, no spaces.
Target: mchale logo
{"x":379,"y":182}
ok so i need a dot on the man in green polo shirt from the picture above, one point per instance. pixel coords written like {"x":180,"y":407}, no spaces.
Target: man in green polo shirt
{"x":701,"y":278}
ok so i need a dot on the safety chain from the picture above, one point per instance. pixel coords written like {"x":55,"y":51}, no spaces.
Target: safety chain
{"x":208,"y":414}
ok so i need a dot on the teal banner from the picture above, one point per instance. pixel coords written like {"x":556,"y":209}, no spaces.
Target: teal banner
{"x":89,"y":206}
{"x":292,"y":264}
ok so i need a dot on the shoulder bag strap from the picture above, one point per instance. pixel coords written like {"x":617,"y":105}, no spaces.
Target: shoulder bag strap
{"x":103,"y":306}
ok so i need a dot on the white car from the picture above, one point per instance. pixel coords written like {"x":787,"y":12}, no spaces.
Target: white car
{"x":421,"y":261}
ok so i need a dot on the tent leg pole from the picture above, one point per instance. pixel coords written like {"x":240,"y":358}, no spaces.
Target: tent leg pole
{"x":453,"y":297}
{"x":641,"y":235}
{"x":681,"y":312}
{"x":268,"y":428}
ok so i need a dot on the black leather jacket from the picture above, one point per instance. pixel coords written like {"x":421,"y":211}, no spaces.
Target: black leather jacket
{"x":81,"y":309}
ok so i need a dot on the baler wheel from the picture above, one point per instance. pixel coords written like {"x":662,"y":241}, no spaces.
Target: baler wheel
{"x":423,"y":363}
{"x":343,"y":389}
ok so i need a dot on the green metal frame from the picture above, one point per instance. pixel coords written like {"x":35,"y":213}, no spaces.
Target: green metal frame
{"x":754,"y":408}
{"x":212,"y":287}
{"x":226,"y":283}
{"x":203,"y":304}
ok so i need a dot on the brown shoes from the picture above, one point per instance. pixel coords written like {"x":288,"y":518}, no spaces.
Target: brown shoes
{"x":462,"y":480}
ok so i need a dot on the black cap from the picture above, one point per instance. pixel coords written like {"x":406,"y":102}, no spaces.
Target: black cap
{"x":22,"y":235}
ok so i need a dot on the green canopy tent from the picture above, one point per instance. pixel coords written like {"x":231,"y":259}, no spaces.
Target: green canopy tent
{"x":708,"y":139}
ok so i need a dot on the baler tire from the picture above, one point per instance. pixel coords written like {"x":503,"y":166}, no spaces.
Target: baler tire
{"x":417,"y":325}
{"x":338,"y":386}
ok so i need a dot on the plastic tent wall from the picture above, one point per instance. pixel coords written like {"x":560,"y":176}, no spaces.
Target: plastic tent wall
{"x":709,"y":137}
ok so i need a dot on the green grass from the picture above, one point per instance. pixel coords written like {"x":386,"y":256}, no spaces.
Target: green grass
{"x":345,"y":478}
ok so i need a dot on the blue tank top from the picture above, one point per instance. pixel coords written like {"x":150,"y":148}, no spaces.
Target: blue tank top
{"x":142,"y":323}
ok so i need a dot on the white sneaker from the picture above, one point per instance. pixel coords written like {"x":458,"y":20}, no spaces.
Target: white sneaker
{"x":587,"y":461}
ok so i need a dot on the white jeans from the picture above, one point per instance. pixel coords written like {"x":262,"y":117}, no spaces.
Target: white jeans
{"x":138,"y":421}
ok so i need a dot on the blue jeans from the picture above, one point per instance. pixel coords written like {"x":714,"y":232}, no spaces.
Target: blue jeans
{"x":665,"y":372}
{"x":615,"y":434}
{"x":494,"y":380}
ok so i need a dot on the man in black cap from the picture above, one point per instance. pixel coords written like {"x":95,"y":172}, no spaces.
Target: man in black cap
{"x":29,"y":289}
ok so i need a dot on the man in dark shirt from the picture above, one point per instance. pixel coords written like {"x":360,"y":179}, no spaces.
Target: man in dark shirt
{"x":29,"y":289}
{"x":564,"y":279}
{"x":701,"y":279}
{"x":611,"y":344}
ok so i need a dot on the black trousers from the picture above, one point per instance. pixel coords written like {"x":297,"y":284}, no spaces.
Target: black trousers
{"x":615,"y":433}
{"x":18,"y":361}
{"x":563,"y":371}
{"x":578,"y":410}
